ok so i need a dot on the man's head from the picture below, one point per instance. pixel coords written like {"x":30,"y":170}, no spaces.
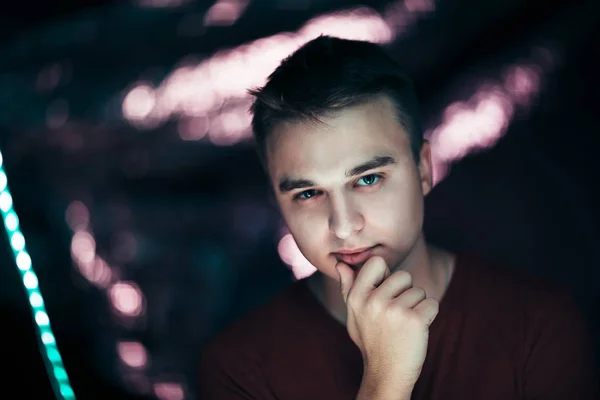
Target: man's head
{"x":338,"y":131}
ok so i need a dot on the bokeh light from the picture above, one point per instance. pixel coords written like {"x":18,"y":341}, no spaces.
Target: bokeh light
{"x":133,"y":354}
{"x":96,"y":272}
{"x":139,"y":102}
{"x":225,"y":12}
{"x":168,"y":391}
{"x":481,"y":121}
{"x":419,"y":5}
{"x":211,"y":96}
{"x":77,"y":216}
{"x":83,"y":247}
{"x":291,"y":255}
{"x":194,"y":128}
{"x":521,"y":82}
{"x":127,"y":298}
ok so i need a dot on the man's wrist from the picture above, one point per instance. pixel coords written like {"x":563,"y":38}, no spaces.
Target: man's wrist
{"x":376,"y":389}
{"x":383,"y":394}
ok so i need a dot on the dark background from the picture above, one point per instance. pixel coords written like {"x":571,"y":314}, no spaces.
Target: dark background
{"x":190,"y":223}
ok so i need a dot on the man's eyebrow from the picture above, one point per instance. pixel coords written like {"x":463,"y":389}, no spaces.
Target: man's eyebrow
{"x":287,"y":184}
{"x":375,"y":162}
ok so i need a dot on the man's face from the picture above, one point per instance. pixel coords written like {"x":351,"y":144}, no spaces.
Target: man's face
{"x":348,"y":184}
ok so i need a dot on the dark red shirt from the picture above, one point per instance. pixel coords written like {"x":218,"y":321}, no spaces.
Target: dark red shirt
{"x":499,"y":334}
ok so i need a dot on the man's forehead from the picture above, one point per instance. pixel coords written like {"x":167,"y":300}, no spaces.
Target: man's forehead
{"x":332,"y":162}
{"x":336,"y":144}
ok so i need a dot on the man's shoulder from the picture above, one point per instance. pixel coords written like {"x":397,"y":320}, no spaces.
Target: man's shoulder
{"x":261,"y":325}
{"x":237,"y":359}
{"x":508,"y":285}
{"x":502,"y":276}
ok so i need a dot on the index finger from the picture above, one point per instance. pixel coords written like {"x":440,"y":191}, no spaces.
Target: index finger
{"x":370,"y":276}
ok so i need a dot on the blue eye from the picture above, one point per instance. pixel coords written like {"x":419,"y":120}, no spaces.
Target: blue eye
{"x":365,"y":181}
{"x":369,"y":180}
{"x":307,"y":194}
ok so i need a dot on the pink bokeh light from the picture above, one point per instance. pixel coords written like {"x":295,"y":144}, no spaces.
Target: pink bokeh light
{"x":133,"y":354}
{"x":482,"y":120}
{"x":83,"y":247}
{"x":521,"y":82}
{"x":139,"y":102}
{"x":230,"y":127}
{"x":96,"y":272}
{"x":225,"y":12}
{"x":292,"y":256}
{"x":77,"y":216}
{"x":202,"y":89}
{"x":401,"y":15}
{"x":127,"y":299}
{"x":419,"y":5}
{"x":360,"y":24}
{"x":194,"y":128}
{"x":168,"y":391}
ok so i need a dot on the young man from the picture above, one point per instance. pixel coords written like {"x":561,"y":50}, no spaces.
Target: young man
{"x":387,"y":316}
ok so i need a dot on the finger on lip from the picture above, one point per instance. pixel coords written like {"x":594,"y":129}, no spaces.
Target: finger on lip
{"x":355,"y":259}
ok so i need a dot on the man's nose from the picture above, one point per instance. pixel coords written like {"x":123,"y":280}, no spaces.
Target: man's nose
{"x":345,"y":218}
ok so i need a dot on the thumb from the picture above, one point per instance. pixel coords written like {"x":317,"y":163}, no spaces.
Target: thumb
{"x":346,"y":274}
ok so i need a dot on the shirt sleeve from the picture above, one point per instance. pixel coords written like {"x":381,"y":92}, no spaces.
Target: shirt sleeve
{"x":228,"y":378}
{"x":560,"y":359}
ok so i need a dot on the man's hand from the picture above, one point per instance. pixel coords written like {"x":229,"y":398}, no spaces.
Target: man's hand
{"x":388,"y":319}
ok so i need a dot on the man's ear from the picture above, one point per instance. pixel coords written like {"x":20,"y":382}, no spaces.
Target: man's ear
{"x":425,"y":168}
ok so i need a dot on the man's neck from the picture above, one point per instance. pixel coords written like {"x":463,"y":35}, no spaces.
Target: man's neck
{"x":430,"y":268}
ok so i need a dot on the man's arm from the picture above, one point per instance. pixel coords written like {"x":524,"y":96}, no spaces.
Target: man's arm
{"x":560,"y":358}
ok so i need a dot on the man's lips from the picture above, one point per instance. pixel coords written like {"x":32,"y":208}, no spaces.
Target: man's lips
{"x":355,"y":257}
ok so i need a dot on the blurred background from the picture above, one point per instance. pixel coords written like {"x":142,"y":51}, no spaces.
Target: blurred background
{"x":125,"y":138}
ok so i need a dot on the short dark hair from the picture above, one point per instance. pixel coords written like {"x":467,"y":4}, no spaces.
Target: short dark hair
{"x":326,"y":75}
